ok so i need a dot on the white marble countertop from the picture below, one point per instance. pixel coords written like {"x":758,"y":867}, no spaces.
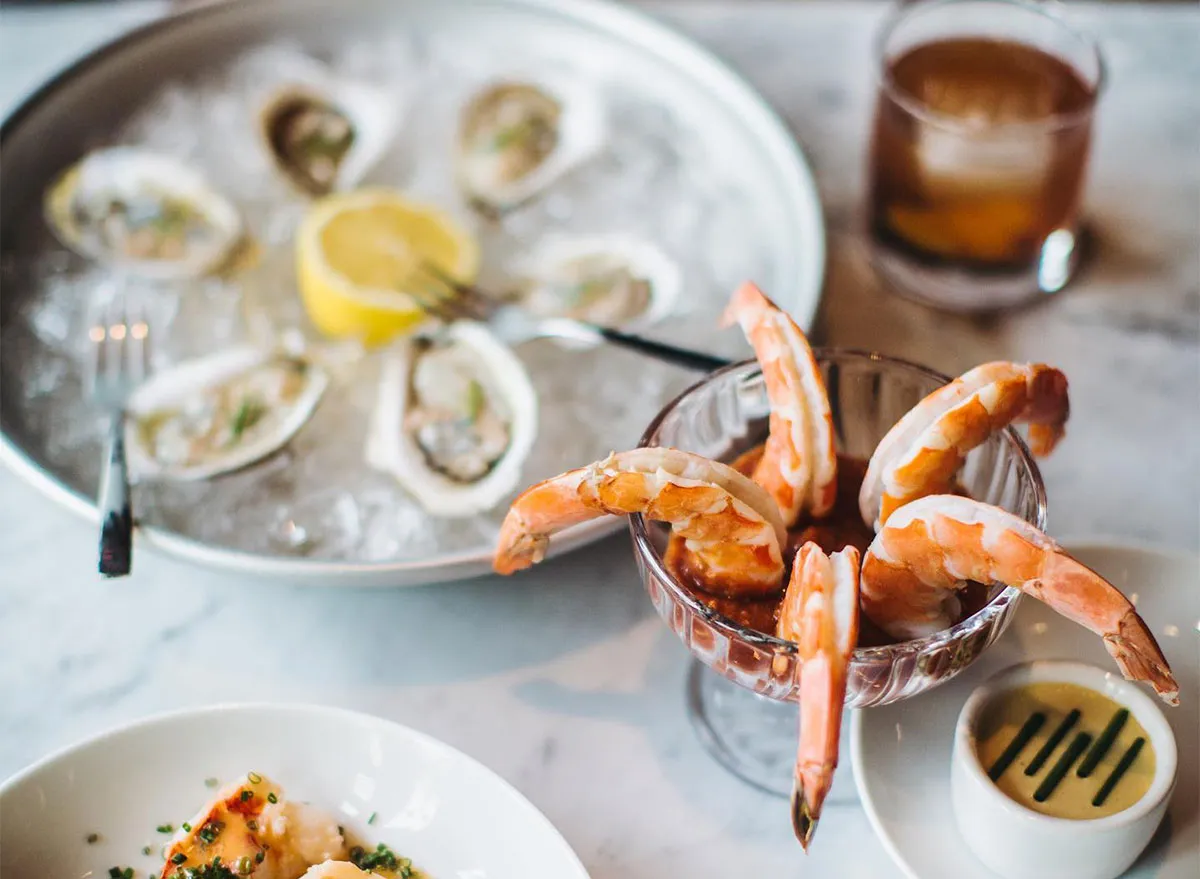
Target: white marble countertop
{"x":562,"y":680}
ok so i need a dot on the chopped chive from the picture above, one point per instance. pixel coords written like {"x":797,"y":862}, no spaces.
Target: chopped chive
{"x":114,"y":872}
{"x":187,"y":828}
{"x":244,"y":866}
{"x":146,"y":850}
{"x":258,"y":858}
{"x":1027,"y":731}
{"x":178,"y":858}
{"x":1103,"y":744}
{"x":1062,"y":767}
{"x":249,"y":412}
{"x":341,"y":830}
{"x":255,"y":778}
{"x":374,"y":815}
{"x":252,"y":824}
{"x":93,"y":838}
{"x":1122,"y":767}
{"x":246,"y":795}
{"x":168,"y":828}
{"x":476,"y":398}
{"x":1053,"y":742}
{"x":271,"y":798}
{"x":210,"y":782}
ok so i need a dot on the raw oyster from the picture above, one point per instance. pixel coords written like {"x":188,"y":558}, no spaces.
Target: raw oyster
{"x":326,"y":135}
{"x":220,"y":413}
{"x":516,"y":138}
{"x":605,"y":279}
{"x":455,"y":420}
{"x":144,"y":212}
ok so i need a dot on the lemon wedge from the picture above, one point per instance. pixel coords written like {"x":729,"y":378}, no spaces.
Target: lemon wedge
{"x":357,"y":253}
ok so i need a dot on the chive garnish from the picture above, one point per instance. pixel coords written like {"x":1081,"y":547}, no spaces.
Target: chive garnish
{"x":178,"y":858}
{"x":187,"y":828}
{"x":168,"y":828}
{"x":93,"y":838}
{"x":374,"y":815}
{"x":255,"y":778}
{"x":1051,"y":743}
{"x":252,"y":824}
{"x":1122,"y":767}
{"x":210,"y":782}
{"x":249,"y":412}
{"x":1062,"y":767}
{"x":258,"y":858}
{"x":146,"y":850}
{"x":1103,"y":744}
{"x":246,"y":795}
{"x":271,"y":798}
{"x":1027,"y":731}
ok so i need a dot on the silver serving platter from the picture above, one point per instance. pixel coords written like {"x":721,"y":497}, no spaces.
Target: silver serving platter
{"x":75,"y":109}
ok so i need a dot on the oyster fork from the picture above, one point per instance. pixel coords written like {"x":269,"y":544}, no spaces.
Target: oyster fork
{"x":449,"y":300}
{"x":119,"y":341}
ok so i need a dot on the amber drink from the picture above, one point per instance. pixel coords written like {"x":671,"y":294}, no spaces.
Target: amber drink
{"x":980,"y":150}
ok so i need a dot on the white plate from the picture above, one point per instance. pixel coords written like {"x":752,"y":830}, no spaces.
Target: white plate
{"x":901,"y":753}
{"x":454,"y":817}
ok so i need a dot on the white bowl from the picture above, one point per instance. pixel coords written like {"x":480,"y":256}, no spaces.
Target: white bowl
{"x":1019,"y":843}
{"x":451,"y":815}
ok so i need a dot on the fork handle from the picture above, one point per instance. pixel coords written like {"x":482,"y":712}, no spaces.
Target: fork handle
{"x":662,"y":351}
{"x":116,"y":514}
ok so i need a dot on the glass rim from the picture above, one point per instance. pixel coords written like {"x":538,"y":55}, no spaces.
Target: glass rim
{"x":645,"y":550}
{"x":917,"y":108}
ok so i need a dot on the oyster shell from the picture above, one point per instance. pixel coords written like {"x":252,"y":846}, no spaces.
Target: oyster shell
{"x":147,"y":213}
{"x":220,"y":413}
{"x":455,"y":420}
{"x":324,"y":136}
{"x":517,"y":137}
{"x":610,"y":280}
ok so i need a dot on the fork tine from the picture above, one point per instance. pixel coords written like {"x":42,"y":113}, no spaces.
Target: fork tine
{"x":469,"y":301}
{"x":136,"y":347}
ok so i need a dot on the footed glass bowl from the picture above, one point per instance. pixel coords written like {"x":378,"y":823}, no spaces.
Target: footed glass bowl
{"x":742,"y":712}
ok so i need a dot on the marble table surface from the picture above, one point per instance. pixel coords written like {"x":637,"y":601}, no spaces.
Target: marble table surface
{"x":562,"y":680}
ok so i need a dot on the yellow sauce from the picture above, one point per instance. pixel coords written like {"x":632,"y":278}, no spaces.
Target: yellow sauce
{"x":1002,"y":719}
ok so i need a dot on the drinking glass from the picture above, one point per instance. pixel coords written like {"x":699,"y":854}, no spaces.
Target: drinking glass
{"x":982,"y":133}
{"x":745,"y":714}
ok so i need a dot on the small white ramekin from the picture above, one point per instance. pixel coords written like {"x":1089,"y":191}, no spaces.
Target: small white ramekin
{"x":1019,"y":843}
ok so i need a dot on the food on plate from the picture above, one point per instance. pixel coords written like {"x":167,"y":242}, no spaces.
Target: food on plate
{"x":1025,"y":734}
{"x":455,"y":419}
{"x":327,"y":134}
{"x":605,"y":279}
{"x":145,"y":213}
{"x":220,"y":413}
{"x":935,"y":558}
{"x":517,"y":137}
{"x":249,"y":829}
{"x":357,"y":253}
{"x":925,"y":449}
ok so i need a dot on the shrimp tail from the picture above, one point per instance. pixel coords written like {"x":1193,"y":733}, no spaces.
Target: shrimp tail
{"x":1048,"y":410}
{"x":804,"y":818}
{"x":1138,"y":656}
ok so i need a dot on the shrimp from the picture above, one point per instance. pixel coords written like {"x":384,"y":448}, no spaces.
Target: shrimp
{"x":932,"y":546}
{"x":922,"y":453}
{"x":819,"y":613}
{"x":798,"y":466}
{"x":730,"y":526}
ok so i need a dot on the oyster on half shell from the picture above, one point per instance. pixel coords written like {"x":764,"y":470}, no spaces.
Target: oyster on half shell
{"x":517,"y":137}
{"x":611,"y":280}
{"x":146,"y":213}
{"x":220,"y":413}
{"x":326,"y":136}
{"x":455,"y":420}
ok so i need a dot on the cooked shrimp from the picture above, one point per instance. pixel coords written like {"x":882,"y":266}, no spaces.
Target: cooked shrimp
{"x":931,"y":547}
{"x":799,"y":464}
{"x":820,"y":613}
{"x":731,"y":527}
{"x":922,"y":453}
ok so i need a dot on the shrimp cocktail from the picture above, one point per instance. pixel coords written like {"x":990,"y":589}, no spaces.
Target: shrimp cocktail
{"x":868,"y":548}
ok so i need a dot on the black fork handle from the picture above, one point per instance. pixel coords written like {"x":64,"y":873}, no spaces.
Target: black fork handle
{"x":116,"y":512}
{"x":662,"y":351}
